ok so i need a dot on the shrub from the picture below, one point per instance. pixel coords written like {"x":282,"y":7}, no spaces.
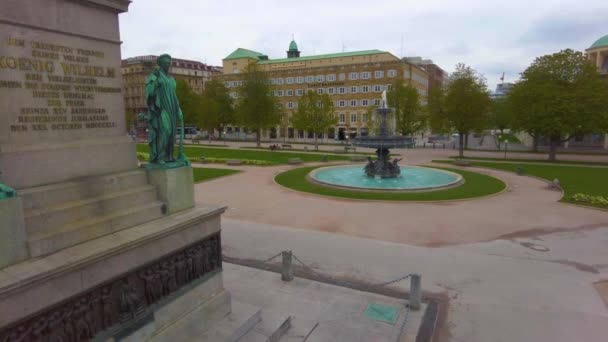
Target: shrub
{"x":593,"y":200}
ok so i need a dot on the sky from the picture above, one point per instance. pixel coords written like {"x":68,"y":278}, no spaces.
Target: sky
{"x":493,"y":37}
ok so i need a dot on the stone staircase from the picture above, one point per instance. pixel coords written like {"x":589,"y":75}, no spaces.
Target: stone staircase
{"x":65,"y":214}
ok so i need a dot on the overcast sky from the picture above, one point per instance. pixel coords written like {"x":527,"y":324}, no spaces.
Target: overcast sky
{"x":493,"y":37}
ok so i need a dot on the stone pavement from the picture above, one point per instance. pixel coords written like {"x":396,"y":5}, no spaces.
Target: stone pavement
{"x":526,"y":206}
{"x":320,"y":311}
{"x":520,"y":289}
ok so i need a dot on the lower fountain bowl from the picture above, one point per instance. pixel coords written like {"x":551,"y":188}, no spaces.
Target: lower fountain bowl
{"x":412,"y":179}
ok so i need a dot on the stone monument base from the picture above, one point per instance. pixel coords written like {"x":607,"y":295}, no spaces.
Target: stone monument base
{"x":175,"y":186}
{"x":13,"y":246}
{"x":134,"y":282}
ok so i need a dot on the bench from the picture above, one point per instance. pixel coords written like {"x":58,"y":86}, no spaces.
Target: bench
{"x":233,"y":162}
{"x":286,"y":146}
{"x":350,"y":148}
{"x":294,"y":161}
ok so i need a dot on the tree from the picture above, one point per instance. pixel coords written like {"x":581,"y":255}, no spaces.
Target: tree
{"x":257,"y":107}
{"x":404,"y":99}
{"x":217,"y":107}
{"x":501,"y":116}
{"x":189,"y":102}
{"x":560,"y":96}
{"x":462,"y":105}
{"x":315,"y":114}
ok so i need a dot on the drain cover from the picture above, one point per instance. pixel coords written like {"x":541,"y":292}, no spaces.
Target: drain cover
{"x":382,"y":313}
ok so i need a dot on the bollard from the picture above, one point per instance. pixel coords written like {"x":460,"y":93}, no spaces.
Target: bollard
{"x":415,"y":291}
{"x":287,"y":269}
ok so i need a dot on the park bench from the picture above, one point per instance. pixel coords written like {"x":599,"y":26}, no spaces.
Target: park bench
{"x":233,"y":162}
{"x":286,"y":146}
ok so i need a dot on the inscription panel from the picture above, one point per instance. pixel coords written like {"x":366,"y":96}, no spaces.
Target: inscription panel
{"x":111,"y":306}
{"x":57,"y":87}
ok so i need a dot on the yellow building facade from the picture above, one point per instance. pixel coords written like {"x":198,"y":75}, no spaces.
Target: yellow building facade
{"x":354,"y":80}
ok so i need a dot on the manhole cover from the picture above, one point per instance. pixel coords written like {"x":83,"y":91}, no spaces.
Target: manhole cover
{"x":382,"y":313}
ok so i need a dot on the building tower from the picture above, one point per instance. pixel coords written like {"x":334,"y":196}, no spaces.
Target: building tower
{"x":293,"y":51}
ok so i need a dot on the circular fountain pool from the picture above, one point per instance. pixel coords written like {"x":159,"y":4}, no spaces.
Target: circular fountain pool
{"x":412,"y":178}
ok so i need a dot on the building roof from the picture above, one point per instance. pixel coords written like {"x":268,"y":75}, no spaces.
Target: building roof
{"x":602,"y":42}
{"x":244,"y":53}
{"x":293,"y":46}
{"x":314,"y":57}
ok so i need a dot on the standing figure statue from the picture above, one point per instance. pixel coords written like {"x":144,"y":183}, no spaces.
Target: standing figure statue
{"x":163,"y":114}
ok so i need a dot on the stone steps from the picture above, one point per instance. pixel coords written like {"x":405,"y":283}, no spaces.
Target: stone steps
{"x":271,"y":328}
{"x":37,"y":220}
{"x":50,"y":240}
{"x":40,"y":197}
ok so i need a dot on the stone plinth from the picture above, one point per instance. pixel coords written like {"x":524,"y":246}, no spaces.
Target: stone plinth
{"x":61,"y":101}
{"x":154,"y":272}
{"x":175,"y":187}
{"x":13,"y":247}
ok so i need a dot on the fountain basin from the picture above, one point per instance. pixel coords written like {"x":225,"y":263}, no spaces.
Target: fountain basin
{"x":412,"y":179}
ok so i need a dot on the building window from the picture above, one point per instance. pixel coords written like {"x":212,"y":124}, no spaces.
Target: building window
{"x":227,"y":84}
{"x":354,"y":89}
{"x":331,"y":91}
{"x":342,"y":118}
{"x":365,"y":89}
{"x":365,"y":103}
{"x":365,"y":75}
{"x":377,"y":88}
{"x":289,"y":80}
{"x":279,"y":81}
{"x":364,"y":116}
{"x":342,"y":103}
{"x":353,"y":103}
{"x":330,"y":78}
{"x":376,"y":102}
{"x":341,"y":90}
{"x":353,"y":117}
{"x":320,"y":78}
{"x":354,"y":76}
{"x":320,"y":91}
{"x":290,"y":92}
{"x":379,"y":74}
{"x":300,"y":92}
{"x":341,"y":77}
{"x":392,"y":73}
{"x":235,"y":84}
{"x":389,"y":87}
{"x":279,"y":93}
{"x":290,"y":105}
{"x":310,"y":79}
{"x":300,"y":79}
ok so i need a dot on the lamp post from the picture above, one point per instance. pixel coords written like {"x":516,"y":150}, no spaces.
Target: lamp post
{"x":224,"y":138}
{"x":506,"y":147}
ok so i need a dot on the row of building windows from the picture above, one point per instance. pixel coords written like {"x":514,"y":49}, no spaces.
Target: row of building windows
{"x":339,"y":90}
{"x":341,"y":103}
{"x":353,"y":118}
{"x":366,"y":75}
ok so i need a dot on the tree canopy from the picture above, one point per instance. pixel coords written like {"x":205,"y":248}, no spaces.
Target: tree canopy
{"x":217,"y":107}
{"x":559,"y":96}
{"x":189,"y":102}
{"x":404,"y":99}
{"x":257,"y":108}
{"x":315,"y":113}
{"x":462,"y":105}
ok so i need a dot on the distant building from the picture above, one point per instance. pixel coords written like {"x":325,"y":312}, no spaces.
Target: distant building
{"x":437,"y":76}
{"x":502,"y":89}
{"x":354,"y":80}
{"x":598,"y":54}
{"x":135,"y":70}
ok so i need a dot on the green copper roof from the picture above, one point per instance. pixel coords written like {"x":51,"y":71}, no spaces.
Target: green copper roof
{"x":244,"y":53}
{"x":293,"y":46}
{"x":331,"y":55}
{"x":600,"y":42}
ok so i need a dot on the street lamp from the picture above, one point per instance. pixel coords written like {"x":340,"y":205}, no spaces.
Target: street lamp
{"x":224,"y":138}
{"x":506,"y":147}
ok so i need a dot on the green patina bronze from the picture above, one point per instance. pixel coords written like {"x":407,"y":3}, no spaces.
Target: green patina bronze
{"x":162,"y":116}
{"x":7,"y":192}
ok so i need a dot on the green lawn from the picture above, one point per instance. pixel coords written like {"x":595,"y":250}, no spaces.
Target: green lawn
{"x":475,"y":185}
{"x":574,"y":179}
{"x":205,"y":174}
{"x":248,"y":156}
{"x":523,"y":160}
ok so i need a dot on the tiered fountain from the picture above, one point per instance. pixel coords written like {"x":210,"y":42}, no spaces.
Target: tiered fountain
{"x":383,"y":173}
